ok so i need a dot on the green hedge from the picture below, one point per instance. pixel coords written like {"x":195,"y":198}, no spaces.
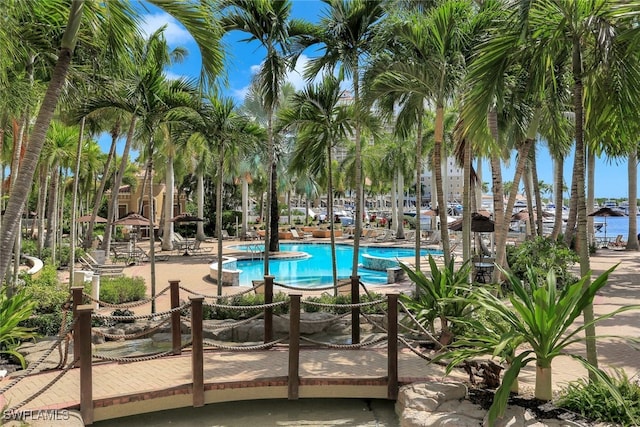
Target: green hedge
{"x":118,"y":290}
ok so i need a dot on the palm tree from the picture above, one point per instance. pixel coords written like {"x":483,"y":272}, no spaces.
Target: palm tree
{"x":267,"y":22}
{"x":321,"y":123}
{"x":347,"y":32}
{"x":227,"y":133}
{"x":121,"y":17}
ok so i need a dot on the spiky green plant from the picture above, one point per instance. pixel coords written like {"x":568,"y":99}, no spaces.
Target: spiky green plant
{"x":543,"y":318}
{"x":13,"y":311}
{"x":441,"y":296}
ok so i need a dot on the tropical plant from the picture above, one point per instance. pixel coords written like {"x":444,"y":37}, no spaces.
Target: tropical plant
{"x":541,"y":255}
{"x":321,"y":122}
{"x":593,"y":399}
{"x":346,"y":32}
{"x":443,"y":296}
{"x":542,"y":317}
{"x":269,"y":23}
{"x":121,"y":19}
{"x":14,"y":310}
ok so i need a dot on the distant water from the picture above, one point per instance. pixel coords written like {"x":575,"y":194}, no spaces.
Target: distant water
{"x":614,"y":225}
{"x":271,"y":413}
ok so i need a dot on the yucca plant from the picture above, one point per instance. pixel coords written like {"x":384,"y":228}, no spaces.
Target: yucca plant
{"x":13,"y":311}
{"x":541,"y":316}
{"x":442,"y":296}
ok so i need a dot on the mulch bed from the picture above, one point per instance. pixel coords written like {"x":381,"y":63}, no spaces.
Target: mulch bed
{"x":541,"y":409}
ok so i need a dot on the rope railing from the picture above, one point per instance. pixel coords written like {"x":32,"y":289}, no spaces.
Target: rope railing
{"x":141,"y":316}
{"x":246,"y":307}
{"x":297,"y":288}
{"x":134,"y":335}
{"x":240,"y":348}
{"x":228,"y":326}
{"x":345,"y":346}
{"x":46,"y":387}
{"x":217,"y":297}
{"x":32,"y":366}
{"x":319,"y":321}
{"x":422,"y":328}
{"x":145,"y":358}
{"x":125,"y":305}
{"x":343,"y":306}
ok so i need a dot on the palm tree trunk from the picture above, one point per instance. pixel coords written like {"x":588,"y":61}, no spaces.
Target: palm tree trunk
{"x":418,"y":256}
{"x":219,"y":183}
{"x":113,"y":205}
{"x":632,"y":169}
{"x":167,"y":234}
{"x":270,"y":183}
{"x":558,"y":180}
{"x":200,"y":199}
{"x":24,"y":179}
{"x":332,"y":233}
{"x":581,"y":240}
{"x":100,"y":192}
{"x":152,"y":239}
{"x":358,"y":173}
{"x":437,"y":169}
{"x":591,"y":179}
{"x":536,"y":193}
{"x":399,"y":224}
{"x":74,"y":204}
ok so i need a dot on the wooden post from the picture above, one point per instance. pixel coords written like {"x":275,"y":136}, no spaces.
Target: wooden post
{"x":176,"y":336}
{"x":83,"y":336}
{"x":197,"y":356}
{"x":355,"y":311}
{"x":294,"y":347}
{"x":392,"y":346}
{"x":76,"y":300}
{"x":268,"y":312}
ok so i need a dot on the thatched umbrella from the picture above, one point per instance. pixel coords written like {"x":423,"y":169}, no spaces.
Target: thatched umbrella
{"x":606,"y":212}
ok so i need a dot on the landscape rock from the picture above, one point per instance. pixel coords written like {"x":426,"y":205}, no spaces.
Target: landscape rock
{"x":445,"y":404}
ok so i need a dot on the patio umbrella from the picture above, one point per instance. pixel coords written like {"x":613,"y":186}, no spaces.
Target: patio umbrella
{"x":479,"y":224}
{"x":133,"y":219}
{"x":606,"y":212}
{"x":87,"y":218}
{"x":186,"y":217}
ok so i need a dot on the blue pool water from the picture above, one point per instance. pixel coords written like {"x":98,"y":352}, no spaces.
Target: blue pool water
{"x":314,"y":270}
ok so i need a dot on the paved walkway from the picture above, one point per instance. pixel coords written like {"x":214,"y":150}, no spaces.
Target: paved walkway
{"x":130,"y":388}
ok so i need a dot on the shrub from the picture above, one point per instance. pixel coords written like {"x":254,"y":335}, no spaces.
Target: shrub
{"x":46,"y":290}
{"x":542,"y":255}
{"x":343,"y":299}
{"x":47,"y":324}
{"x":594,"y":400}
{"x":245,"y":300}
{"x":118,"y":290}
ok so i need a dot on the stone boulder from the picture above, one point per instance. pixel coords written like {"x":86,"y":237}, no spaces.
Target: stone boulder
{"x":439,"y":404}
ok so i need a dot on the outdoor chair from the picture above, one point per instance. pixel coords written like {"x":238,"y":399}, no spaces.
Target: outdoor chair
{"x":198,"y":249}
{"x":296,"y":236}
{"x":89,"y":263}
{"x":618,"y":242}
{"x":225,"y":235}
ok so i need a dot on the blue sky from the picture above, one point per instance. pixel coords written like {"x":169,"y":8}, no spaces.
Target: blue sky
{"x":243,"y":60}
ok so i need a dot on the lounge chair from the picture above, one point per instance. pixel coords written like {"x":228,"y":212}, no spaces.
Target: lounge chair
{"x":198,"y":249}
{"x":618,"y":242}
{"x":385,"y":235}
{"x":225,"y":235}
{"x":296,"y":236}
{"x":89,"y":263}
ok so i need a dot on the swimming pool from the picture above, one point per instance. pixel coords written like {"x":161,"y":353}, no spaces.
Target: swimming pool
{"x":314,"y":269}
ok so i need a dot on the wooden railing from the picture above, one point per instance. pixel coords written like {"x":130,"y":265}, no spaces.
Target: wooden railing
{"x":83,"y":339}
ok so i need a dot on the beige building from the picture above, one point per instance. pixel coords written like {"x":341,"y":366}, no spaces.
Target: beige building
{"x":129,"y":200}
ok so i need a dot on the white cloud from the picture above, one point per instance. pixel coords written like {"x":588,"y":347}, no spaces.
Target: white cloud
{"x":173,"y":76}
{"x":174,"y":33}
{"x":295,"y":77}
